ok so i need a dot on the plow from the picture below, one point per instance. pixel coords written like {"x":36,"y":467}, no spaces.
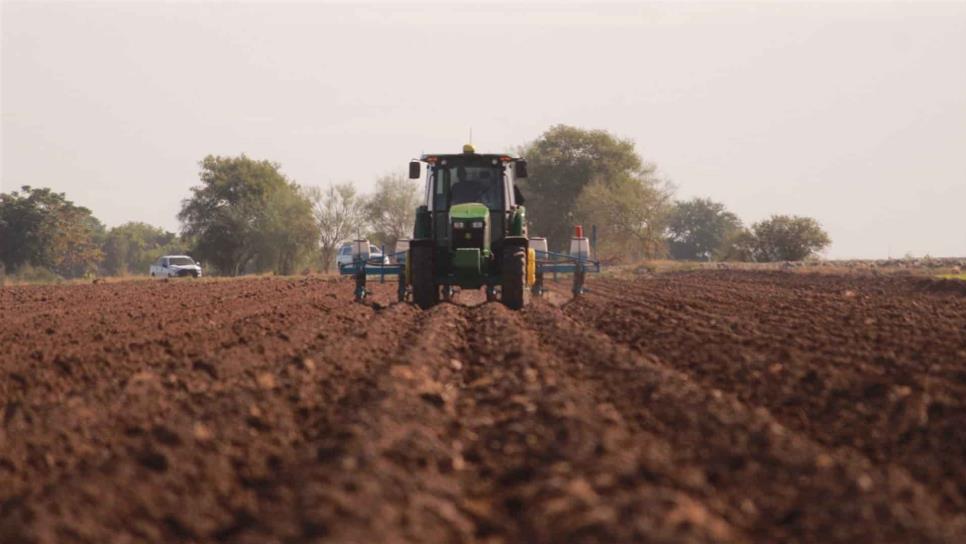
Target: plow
{"x":470,"y":233}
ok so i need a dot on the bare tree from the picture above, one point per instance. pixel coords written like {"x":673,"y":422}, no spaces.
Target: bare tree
{"x":341,"y":214}
{"x":630,"y":213}
{"x":391,"y":210}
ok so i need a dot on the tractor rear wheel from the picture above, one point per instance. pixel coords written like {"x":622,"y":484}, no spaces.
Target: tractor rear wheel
{"x":514,"y":277}
{"x":425,"y":291}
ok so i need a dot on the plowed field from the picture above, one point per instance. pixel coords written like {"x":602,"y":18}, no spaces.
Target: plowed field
{"x":716,"y":406}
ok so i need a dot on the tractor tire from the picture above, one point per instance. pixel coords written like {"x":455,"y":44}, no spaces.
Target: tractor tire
{"x":514,"y":274}
{"x":425,"y":290}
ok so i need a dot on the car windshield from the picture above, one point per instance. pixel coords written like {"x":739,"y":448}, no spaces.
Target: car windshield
{"x":181,"y":261}
{"x":483,"y":184}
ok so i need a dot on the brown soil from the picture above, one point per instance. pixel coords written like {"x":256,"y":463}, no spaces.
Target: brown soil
{"x":713,"y":406}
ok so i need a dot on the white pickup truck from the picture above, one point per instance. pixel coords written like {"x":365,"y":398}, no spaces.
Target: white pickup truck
{"x":174,"y":266}
{"x":344,"y":257}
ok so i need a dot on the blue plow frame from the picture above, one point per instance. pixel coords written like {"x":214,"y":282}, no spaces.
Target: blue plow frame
{"x":548,"y":262}
{"x":552,"y":263}
{"x":360,"y":270}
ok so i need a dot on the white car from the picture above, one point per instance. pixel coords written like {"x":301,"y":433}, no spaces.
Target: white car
{"x":175,"y":266}
{"x":344,"y":257}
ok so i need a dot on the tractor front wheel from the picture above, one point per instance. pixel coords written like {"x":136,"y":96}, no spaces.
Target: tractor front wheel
{"x":425,"y":291}
{"x":514,"y":277}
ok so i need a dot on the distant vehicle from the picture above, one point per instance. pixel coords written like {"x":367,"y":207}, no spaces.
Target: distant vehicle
{"x":344,"y":258}
{"x":175,"y":266}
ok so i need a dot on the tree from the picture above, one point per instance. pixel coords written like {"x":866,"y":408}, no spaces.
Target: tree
{"x":133,"y":246}
{"x":287,"y":231}
{"x":788,"y":238}
{"x":247,"y":215}
{"x":391,"y":210}
{"x":41,"y":228}
{"x":78,"y":244}
{"x":562,"y":162}
{"x":340,"y":214}
{"x":630,"y":213}
{"x":699,"y":228}
{"x":740,"y":245}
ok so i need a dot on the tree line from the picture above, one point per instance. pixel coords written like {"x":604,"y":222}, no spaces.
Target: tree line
{"x":593,"y":177}
{"x":246,"y":216}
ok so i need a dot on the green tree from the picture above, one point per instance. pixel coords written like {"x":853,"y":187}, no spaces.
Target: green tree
{"x":562,"y":162}
{"x":740,"y":245}
{"x":391,"y":210}
{"x":246,"y":215}
{"x":788,"y":238}
{"x":41,"y":228}
{"x":340,"y":214}
{"x":698,"y":229}
{"x":133,"y":246}
{"x":630,"y":213}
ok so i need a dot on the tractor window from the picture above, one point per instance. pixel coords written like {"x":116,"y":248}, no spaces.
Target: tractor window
{"x":439,"y":189}
{"x":483,"y":184}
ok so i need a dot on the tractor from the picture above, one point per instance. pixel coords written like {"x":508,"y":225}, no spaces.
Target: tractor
{"x":471,"y":233}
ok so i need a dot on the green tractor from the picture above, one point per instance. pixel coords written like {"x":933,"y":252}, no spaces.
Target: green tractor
{"x":471,"y":231}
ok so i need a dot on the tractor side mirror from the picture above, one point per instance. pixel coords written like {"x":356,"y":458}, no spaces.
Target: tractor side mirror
{"x":414,"y":170}
{"x":520,"y":169}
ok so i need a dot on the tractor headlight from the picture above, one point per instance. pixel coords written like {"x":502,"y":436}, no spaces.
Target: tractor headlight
{"x":458,"y":224}
{"x":477,"y":224}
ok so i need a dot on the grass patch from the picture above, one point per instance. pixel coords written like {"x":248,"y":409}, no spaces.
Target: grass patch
{"x":961,"y":276}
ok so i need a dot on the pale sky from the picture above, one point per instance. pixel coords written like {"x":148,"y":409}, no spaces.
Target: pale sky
{"x":854,"y":114}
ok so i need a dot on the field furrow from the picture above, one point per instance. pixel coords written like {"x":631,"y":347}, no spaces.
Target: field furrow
{"x":716,"y":406}
{"x":838,"y":359}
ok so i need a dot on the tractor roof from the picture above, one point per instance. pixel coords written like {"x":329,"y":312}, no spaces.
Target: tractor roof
{"x":469,"y":154}
{"x":433,"y":157}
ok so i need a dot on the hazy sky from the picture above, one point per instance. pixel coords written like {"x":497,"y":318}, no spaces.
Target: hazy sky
{"x":854,"y":114}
